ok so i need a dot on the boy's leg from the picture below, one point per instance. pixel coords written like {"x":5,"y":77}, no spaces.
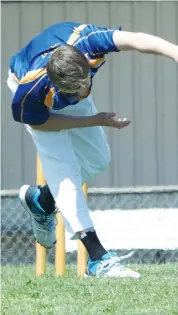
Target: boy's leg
{"x":62,"y":173}
{"x":93,"y":154}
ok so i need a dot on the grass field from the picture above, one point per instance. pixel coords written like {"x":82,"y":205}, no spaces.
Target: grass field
{"x":155,"y":293}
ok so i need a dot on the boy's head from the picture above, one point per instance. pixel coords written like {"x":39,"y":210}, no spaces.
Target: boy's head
{"x":69,"y":71}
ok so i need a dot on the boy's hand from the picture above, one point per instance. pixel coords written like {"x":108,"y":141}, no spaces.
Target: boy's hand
{"x":110,"y":120}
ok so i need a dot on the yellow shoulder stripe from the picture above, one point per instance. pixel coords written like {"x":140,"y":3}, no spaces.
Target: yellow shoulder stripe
{"x":32,"y":75}
{"x":75,"y":34}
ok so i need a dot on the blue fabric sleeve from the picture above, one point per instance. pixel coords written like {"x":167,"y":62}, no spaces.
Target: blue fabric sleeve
{"x":98,"y":40}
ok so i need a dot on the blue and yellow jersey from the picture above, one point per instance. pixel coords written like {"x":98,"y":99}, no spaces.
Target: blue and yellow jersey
{"x":35,"y":93}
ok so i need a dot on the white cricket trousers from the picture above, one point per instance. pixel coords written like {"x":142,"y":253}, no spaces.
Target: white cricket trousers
{"x":70,"y":158}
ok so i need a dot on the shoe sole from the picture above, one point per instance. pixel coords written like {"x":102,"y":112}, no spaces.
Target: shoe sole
{"x":109,"y":277}
{"x":22,"y":194}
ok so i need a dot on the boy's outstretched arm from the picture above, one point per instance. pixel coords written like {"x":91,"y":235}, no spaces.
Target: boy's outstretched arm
{"x":145,"y":43}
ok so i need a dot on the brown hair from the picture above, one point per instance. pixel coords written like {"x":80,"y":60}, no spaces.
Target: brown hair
{"x":68,"y":68}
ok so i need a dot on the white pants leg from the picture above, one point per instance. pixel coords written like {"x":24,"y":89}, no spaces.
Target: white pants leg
{"x":69,"y":158}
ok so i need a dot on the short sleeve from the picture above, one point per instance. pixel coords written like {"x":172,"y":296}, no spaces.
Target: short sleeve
{"x":97,"y":40}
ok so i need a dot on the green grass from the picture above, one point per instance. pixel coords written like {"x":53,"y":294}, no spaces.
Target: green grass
{"x":155,"y":293}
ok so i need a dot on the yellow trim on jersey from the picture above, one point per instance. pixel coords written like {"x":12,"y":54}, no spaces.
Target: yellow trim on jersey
{"x":76,"y":33}
{"x":32,"y":75}
{"x":95,"y":63}
{"x":49,"y":98}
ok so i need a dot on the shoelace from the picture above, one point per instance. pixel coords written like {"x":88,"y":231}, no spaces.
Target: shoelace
{"x":46,"y":222}
{"x":113,"y":261}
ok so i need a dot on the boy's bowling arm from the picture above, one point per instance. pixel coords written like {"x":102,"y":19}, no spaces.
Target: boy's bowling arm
{"x":145,"y":43}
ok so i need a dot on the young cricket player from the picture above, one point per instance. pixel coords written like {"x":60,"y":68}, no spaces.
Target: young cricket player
{"x":51,"y":80}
